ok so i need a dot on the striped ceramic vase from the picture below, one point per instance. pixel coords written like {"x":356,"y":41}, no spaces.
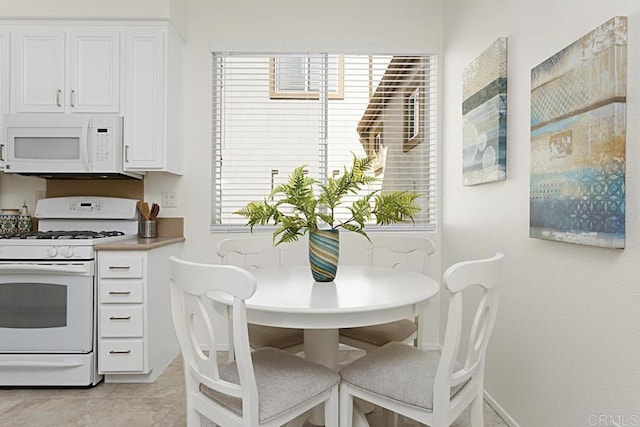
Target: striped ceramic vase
{"x":324,"y":248}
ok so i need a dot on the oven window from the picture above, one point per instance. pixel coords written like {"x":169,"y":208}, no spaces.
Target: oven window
{"x":33,"y":305}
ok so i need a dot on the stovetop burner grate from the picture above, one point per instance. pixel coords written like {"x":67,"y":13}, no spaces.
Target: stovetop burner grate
{"x":62,"y":234}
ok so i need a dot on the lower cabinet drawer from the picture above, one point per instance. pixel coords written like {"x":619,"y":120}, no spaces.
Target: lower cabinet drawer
{"x":120,"y":356}
{"x":121,"y":291}
{"x":116,"y":322}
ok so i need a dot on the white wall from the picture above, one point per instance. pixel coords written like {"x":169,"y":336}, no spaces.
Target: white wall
{"x":91,"y":9}
{"x":567,"y":339}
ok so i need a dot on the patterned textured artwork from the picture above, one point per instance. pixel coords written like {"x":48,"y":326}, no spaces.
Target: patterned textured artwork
{"x":578,"y":109}
{"x":484,"y":116}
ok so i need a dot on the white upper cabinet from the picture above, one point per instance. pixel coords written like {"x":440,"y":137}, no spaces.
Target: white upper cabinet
{"x":153,"y":99}
{"x":4,"y":84}
{"x":94,"y":71}
{"x":129,"y":68}
{"x":38,"y":70}
{"x":58,"y":70}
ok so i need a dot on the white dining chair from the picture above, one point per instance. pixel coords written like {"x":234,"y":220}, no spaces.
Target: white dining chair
{"x":430,"y":386}
{"x":266,"y":387}
{"x":399,"y":252}
{"x":253,"y":253}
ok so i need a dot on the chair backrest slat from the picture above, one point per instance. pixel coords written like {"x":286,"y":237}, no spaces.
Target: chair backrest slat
{"x":192,"y":311}
{"x":484,"y":273}
{"x":250,"y":253}
{"x":400,"y":252}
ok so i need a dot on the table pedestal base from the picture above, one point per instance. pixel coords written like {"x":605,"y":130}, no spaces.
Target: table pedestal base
{"x":321,"y":346}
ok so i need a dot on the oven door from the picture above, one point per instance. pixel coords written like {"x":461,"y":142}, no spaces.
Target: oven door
{"x":46,"y":308}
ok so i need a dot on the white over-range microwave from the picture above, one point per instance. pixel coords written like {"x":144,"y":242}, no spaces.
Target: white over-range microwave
{"x":64,"y":145}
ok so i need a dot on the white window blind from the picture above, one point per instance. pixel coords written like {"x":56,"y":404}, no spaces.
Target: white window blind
{"x":338,"y":105}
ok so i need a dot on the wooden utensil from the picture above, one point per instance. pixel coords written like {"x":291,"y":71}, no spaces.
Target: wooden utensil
{"x":155,"y":210}
{"x":143,"y":208}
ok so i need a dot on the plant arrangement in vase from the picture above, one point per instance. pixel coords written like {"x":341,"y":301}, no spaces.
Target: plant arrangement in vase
{"x":296,"y":209}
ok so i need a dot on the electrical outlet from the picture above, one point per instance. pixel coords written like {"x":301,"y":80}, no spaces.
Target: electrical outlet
{"x":169,"y":200}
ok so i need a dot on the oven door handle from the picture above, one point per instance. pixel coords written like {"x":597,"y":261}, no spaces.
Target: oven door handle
{"x":48,"y":269}
{"x":36,"y":364}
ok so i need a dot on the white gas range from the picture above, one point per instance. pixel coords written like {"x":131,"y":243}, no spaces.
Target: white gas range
{"x":48,"y":290}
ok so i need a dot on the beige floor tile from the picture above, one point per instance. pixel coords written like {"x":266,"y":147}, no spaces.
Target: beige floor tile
{"x":137,"y":405}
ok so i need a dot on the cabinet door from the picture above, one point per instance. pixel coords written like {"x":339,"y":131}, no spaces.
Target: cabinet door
{"x":94,"y":71}
{"x":37,"y":70}
{"x":144,"y":99}
{"x":4,"y":85}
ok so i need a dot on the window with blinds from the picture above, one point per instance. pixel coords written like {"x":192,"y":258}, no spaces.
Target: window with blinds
{"x":273,"y":113}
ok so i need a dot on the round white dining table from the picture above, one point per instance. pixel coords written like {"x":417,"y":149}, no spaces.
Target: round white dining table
{"x":359,"y":296}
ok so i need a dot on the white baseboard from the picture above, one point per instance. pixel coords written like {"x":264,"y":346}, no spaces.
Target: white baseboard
{"x":508,"y":419}
{"x":432,"y":347}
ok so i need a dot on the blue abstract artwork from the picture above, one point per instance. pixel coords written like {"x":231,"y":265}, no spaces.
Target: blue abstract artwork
{"x":484,"y":116}
{"x":578,"y":136}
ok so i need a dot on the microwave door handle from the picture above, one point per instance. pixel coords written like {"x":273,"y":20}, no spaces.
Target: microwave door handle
{"x":85,"y":148}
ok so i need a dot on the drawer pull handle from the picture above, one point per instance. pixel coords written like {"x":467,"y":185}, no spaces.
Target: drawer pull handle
{"x":119,"y":267}
{"x":119,"y":351}
{"x":120,"y":318}
{"x":119,"y":292}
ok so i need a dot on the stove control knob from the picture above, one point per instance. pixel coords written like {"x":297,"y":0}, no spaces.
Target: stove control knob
{"x":52,"y":252}
{"x":67,"y":252}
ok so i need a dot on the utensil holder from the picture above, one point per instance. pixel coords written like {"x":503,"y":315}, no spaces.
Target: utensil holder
{"x":147,"y":229}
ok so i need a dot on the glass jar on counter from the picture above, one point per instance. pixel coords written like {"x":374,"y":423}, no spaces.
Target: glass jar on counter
{"x":9,"y":221}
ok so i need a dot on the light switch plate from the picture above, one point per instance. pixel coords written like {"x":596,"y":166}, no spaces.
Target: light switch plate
{"x":169,"y":200}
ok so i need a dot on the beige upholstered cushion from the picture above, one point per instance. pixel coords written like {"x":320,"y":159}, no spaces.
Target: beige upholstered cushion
{"x":284,"y":381}
{"x":267,"y":336}
{"x":398,"y":371}
{"x":382,"y":334}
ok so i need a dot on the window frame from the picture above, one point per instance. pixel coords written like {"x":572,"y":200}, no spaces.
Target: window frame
{"x":414,"y":113}
{"x":374,"y":147}
{"x":274,"y":93}
{"x":427,"y":86}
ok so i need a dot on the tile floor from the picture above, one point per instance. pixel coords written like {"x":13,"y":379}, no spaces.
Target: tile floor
{"x":132,"y":405}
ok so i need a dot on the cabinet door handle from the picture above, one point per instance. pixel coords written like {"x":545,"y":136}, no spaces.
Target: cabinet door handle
{"x":119,"y":267}
{"x":119,"y":351}
{"x":58,"y":98}
{"x":73,"y":97}
{"x":119,"y":292}
{"x":120,"y":318}
{"x":126,"y":154}
{"x":1,"y":153}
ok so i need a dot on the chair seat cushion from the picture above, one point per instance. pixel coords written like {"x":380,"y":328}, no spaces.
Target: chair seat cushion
{"x":400,"y":372}
{"x":267,"y":336}
{"x":382,"y":334}
{"x":284,"y":381}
